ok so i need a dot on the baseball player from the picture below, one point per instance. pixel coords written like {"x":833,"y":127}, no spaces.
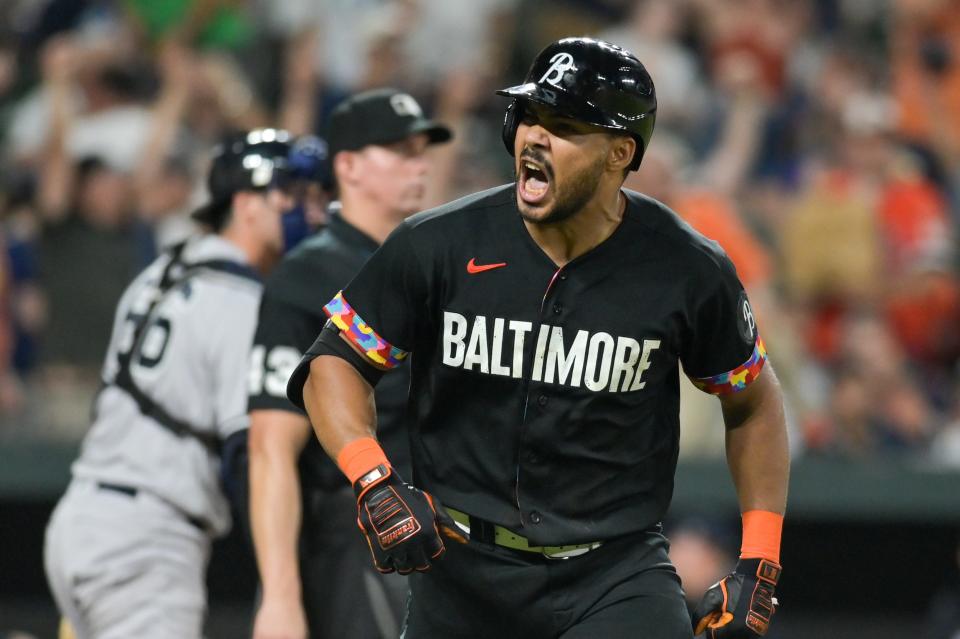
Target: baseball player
{"x":378,"y":140}
{"x":127,"y":545}
{"x":547,"y":320}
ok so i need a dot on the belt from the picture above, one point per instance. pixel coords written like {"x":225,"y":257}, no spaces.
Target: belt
{"x":509,"y":539}
{"x":130,"y":491}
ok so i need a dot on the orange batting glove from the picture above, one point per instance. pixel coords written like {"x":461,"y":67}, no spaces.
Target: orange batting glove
{"x":741,"y":605}
{"x":402,"y":524}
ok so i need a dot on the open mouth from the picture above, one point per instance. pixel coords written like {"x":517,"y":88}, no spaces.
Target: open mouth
{"x":534,"y":181}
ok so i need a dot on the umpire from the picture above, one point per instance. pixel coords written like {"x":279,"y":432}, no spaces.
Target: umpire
{"x":322,"y":580}
{"x":548,"y":319}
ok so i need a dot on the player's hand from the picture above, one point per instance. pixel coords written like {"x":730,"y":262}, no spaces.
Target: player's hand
{"x":280,"y":619}
{"x":403,"y":525}
{"x":740,"y":605}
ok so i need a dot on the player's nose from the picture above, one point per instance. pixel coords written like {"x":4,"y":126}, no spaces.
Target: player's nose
{"x":536,"y":135}
{"x":421,"y":164}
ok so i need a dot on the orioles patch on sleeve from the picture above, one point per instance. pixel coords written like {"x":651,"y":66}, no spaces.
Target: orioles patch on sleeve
{"x":737,"y":379}
{"x":377,"y":349}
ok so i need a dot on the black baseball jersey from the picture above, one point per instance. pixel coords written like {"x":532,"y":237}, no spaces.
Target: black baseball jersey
{"x":291,"y":315}
{"x":546,"y":399}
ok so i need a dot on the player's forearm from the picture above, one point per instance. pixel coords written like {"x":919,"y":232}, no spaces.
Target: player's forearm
{"x":275,"y":514}
{"x":756,"y":443}
{"x":351,"y":416}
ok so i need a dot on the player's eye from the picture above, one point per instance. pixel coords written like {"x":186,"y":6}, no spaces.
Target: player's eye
{"x":407,"y":148}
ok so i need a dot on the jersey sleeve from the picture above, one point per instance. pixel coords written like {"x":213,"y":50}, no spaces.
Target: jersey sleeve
{"x":378,"y":310}
{"x":284,"y":332}
{"x":228,"y":355}
{"x":723,"y":352}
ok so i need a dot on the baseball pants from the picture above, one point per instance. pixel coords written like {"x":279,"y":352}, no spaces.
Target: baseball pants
{"x":123,"y":566}
{"x":626,"y":588}
{"x":344,"y":595}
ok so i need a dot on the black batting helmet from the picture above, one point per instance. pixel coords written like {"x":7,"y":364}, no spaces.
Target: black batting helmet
{"x":254,"y":161}
{"x":591,"y":81}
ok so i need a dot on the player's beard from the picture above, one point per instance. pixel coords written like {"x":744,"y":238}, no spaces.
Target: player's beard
{"x":569,"y":201}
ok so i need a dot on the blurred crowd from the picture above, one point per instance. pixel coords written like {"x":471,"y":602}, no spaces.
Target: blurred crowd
{"x":817,"y":140}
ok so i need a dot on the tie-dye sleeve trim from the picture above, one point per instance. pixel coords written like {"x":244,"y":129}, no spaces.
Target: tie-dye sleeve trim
{"x":379,"y":350}
{"x":737,"y":379}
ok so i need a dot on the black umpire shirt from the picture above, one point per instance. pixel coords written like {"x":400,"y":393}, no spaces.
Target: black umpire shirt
{"x":291,"y":315}
{"x":546,"y":399}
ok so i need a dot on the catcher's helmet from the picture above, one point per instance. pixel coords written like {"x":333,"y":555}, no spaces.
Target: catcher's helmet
{"x":592,"y":81}
{"x":253,"y":161}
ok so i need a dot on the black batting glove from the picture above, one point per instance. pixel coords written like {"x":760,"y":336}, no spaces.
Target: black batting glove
{"x":401,"y":523}
{"x":740,"y":605}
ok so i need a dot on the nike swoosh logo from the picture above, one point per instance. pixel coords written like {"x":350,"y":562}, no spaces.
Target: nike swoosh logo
{"x":473,"y":267}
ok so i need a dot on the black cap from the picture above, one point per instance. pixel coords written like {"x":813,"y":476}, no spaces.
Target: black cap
{"x":380,"y":116}
{"x":253,"y":161}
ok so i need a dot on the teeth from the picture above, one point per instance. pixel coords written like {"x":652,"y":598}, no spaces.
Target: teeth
{"x":531,"y":166}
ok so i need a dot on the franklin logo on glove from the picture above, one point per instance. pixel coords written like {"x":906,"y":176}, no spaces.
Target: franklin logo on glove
{"x":402,"y":524}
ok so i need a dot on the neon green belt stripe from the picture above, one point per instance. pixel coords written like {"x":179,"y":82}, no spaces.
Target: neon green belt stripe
{"x":509,"y":539}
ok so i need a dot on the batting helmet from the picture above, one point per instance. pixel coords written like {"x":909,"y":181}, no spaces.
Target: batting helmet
{"x":254,"y":161}
{"x":591,"y":81}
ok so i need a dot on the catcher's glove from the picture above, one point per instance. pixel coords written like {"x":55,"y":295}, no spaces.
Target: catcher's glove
{"x":401,"y":523}
{"x":740,"y":605}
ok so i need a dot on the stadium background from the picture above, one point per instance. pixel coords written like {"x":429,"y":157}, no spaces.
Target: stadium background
{"x":817,"y":140}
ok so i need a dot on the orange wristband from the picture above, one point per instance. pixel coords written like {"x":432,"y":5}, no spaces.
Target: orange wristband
{"x":360,"y":457}
{"x":761,"y":535}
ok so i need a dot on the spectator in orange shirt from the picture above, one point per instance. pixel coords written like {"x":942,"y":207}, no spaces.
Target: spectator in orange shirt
{"x":925,"y":61}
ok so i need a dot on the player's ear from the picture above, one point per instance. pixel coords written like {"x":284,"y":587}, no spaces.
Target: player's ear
{"x":345,"y":167}
{"x":620,"y":154}
{"x":245,"y":203}
{"x":239,"y":207}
